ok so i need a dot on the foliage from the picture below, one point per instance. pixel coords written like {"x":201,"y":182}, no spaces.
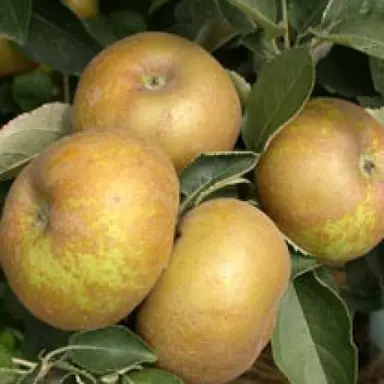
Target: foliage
{"x":279,"y":54}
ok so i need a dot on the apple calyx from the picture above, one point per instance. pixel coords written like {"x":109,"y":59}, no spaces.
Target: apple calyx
{"x":371,"y":166}
{"x":42,"y":215}
{"x":154,"y":81}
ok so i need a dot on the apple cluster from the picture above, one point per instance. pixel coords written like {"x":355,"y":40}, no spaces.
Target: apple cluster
{"x":88,"y":231}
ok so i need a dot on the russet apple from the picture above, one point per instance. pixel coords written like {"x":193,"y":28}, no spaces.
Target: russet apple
{"x":12,"y":60}
{"x":320,"y":179}
{"x":214,"y":308}
{"x":88,"y":227}
{"x":165,"y":88}
{"x":84,"y":9}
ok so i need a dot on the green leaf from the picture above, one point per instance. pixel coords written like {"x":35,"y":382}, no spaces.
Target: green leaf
{"x":109,"y":349}
{"x":365,"y":281}
{"x":32,"y":89}
{"x":101,"y":30}
{"x":192,"y":16}
{"x":235,"y":191}
{"x":10,"y":376}
{"x":216,"y":188}
{"x":126,"y":23}
{"x":371,"y":102}
{"x":263,"y":48}
{"x":376,"y":328}
{"x":377,"y":73}
{"x":377,"y":113}
{"x":281,"y":91}
{"x":210,"y":170}
{"x":312,"y":341}
{"x":113,"y":26}
{"x":58,"y":39}
{"x":7,"y":339}
{"x":263,"y":12}
{"x":14,"y":19}
{"x":203,"y":22}
{"x":301,"y":264}
{"x":156,"y":4}
{"x":339,"y":10}
{"x":239,"y":20}
{"x":215,"y":33}
{"x":5,"y":358}
{"x":336,"y":11}
{"x":24,"y":137}
{"x":153,"y":376}
{"x":356,"y":24}
{"x":325,"y":278}
{"x":8,"y":373}
{"x":303,"y":14}
{"x":243,"y":88}
{"x":366,"y":37}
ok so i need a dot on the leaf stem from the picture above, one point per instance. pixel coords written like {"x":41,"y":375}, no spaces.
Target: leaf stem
{"x":320,"y":49}
{"x":21,"y":372}
{"x":24,"y":363}
{"x":73,"y":370}
{"x":60,"y":351}
{"x":184,"y":204}
{"x":284,"y":7}
{"x":66,"y":89}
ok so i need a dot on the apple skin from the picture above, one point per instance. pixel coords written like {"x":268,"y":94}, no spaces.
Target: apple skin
{"x":164,"y":87}
{"x":84,"y":9}
{"x":88,"y":227}
{"x":13,"y":61}
{"x":320,"y":179}
{"x":214,"y":308}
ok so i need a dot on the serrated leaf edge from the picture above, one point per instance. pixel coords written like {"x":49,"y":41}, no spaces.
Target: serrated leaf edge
{"x":344,"y":304}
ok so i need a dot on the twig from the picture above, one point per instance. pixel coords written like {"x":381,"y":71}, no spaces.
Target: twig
{"x":24,"y":363}
{"x":284,"y":7}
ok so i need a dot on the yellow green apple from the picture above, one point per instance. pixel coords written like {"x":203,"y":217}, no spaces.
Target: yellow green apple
{"x":84,"y":9}
{"x":88,"y":227}
{"x":12,"y":60}
{"x":320,"y":179}
{"x":213,"y":310}
{"x":165,"y":88}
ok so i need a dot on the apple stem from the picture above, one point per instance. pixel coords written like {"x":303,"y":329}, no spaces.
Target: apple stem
{"x":154,"y":81}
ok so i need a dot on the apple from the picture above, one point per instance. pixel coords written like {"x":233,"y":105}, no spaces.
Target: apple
{"x":320,"y":179}
{"x":88,"y":227}
{"x":214,"y":308}
{"x":84,"y":9}
{"x":165,"y":88}
{"x":12,"y":60}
